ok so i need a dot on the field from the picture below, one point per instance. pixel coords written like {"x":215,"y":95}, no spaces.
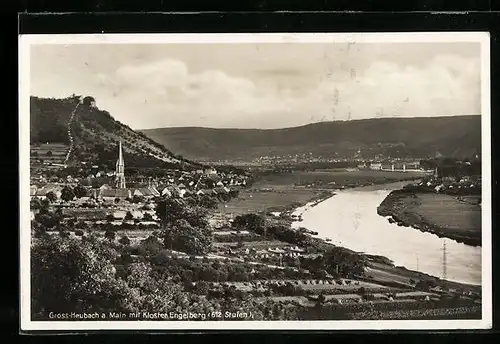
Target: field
{"x":49,"y":151}
{"x":42,"y":155}
{"x":448,"y":212}
{"x":333,"y":178}
{"x":454,"y":217}
{"x":249,"y":201}
{"x":277,"y":191}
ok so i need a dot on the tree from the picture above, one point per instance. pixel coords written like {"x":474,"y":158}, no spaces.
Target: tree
{"x":82,"y":225}
{"x":49,"y":153}
{"x":51,"y":196}
{"x":321,"y":298}
{"x":78,"y":277}
{"x":63,"y":233}
{"x":67,"y":193}
{"x":237,"y":272}
{"x":80,"y":191}
{"x":128,"y":216}
{"x":424,"y":285}
{"x":35,"y":203}
{"x":234,"y":193}
{"x":47,"y":219}
{"x":110,"y":235}
{"x":72,"y":222}
{"x":240,"y":243}
{"x":124,"y":240}
{"x":208,"y":202}
{"x":110,"y":217}
{"x":147,"y":217}
{"x":250,"y":222}
{"x":150,"y":246}
{"x":137,"y":199}
{"x":182,"y":236}
{"x":117,"y":200}
{"x":202,"y":287}
{"x":170,"y":210}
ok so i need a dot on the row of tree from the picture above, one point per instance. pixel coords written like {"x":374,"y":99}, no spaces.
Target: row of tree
{"x":333,"y":260}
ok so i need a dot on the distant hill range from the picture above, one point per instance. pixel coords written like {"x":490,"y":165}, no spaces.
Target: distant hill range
{"x":92,"y":135}
{"x":453,"y":136}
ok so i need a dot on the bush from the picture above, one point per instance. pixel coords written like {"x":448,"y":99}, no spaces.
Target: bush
{"x":202,"y":288}
{"x":124,"y":240}
{"x":128,"y":216}
{"x":110,"y":235}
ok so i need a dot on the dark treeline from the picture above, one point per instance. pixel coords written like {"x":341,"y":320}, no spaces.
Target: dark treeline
{"x":447,"y":167}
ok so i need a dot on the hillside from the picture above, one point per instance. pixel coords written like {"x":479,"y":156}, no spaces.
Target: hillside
{"x":456,"y":136}
{"x":86,"y":134}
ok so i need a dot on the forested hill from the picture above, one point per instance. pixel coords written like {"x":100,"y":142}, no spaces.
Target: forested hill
{"x":94,"y":134}
{"x":454,"y":136}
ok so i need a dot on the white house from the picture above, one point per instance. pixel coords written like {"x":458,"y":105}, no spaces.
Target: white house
{"x":119,"y":214}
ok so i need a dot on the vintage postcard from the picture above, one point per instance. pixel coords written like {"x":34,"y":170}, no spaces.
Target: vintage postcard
{"x":255,"y":181}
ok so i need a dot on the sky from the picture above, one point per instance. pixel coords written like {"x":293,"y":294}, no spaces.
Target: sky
{"x":268,"y":85}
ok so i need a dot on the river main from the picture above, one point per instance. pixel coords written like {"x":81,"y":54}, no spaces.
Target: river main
{"x":350,"y":220}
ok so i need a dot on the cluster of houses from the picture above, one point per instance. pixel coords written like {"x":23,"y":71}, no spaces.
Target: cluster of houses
{"x":296,"y":158}
{"x":175,"y":183}
{"x":100,"y":191}
{"x":399,"y":166}
{"x":441,"y":184}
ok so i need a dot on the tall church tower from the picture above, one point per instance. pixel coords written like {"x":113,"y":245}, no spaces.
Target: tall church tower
{"x":120,"y":170}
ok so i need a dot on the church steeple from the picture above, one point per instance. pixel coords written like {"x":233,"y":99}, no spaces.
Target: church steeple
{"x":120,"y":169}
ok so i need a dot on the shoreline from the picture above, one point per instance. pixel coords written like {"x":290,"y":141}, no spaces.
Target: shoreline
{"x":374,"y":260}
{"x":389,"y":208}
{"x":325,"y":194}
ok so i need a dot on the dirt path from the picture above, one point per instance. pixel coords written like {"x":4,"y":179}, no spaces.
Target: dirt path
{"x":70,"y":134}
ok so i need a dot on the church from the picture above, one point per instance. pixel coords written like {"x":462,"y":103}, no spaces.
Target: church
{"x":120,"y":189}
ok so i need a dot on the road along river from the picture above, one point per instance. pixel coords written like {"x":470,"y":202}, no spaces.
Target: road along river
{"x":350,"y":220}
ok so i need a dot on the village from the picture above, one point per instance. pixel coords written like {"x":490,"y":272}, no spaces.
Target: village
{"x":258,"y":263}
{"x":97,"y":198}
